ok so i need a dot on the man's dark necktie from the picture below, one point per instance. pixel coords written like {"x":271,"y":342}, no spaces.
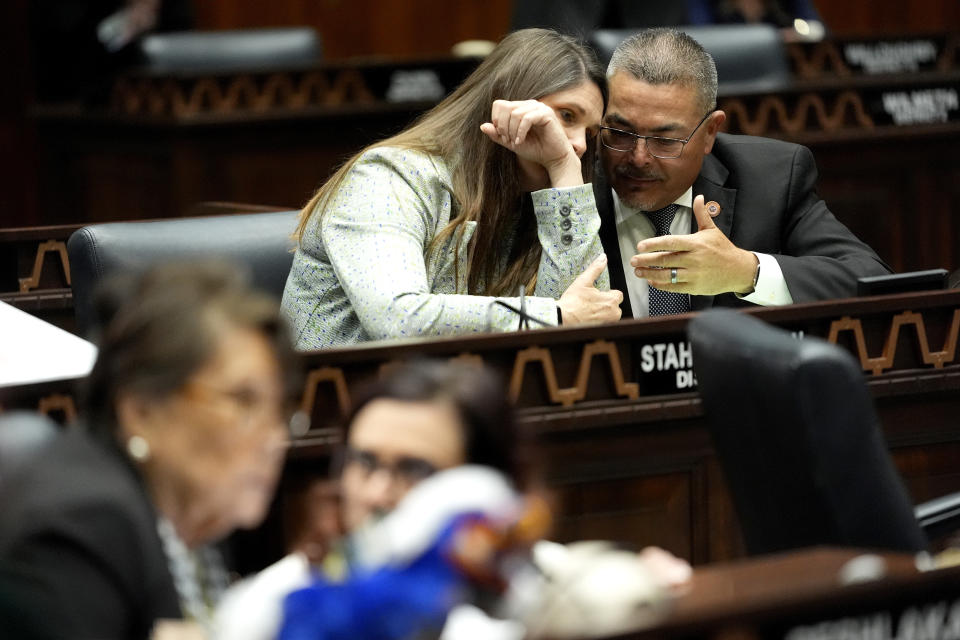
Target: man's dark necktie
{"x":665,"y":303}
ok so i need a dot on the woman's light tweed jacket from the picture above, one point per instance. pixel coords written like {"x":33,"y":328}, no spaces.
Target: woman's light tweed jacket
{"x":361,"y":271}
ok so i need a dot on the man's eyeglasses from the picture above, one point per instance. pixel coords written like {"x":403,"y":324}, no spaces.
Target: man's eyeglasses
{"x":406,"y":471}
{"x":657,"y":146}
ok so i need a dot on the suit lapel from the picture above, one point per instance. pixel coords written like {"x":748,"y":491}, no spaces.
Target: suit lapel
{"x":608,"y":238}
{"x":713,"y":175}
{"x":710,"y":183}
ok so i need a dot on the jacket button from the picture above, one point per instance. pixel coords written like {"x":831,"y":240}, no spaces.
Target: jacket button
{"x":565,"y":224}
{"x":565,"y":210}
{"x":566,"y":238}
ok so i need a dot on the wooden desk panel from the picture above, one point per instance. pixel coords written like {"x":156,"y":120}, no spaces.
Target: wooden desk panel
{"x":625,"y":451}
{"x":629,"y":458}
{"x":791,"y":595}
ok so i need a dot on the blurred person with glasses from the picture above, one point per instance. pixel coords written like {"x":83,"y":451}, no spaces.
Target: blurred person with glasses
{"x":706,"y":217}
{"x":108,"y":532}
{"x":406,"y":430}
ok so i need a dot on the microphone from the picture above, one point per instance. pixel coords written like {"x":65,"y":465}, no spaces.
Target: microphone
{"x":525,"y":318}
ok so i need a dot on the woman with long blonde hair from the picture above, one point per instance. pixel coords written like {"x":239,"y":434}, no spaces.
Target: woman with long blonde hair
{"x":431,"y":232}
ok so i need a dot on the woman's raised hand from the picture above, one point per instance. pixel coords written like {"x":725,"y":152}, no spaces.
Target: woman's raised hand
{"x":532,"y":130}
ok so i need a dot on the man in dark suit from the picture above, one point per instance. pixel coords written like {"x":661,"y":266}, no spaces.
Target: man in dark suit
{"x":693,"y":217}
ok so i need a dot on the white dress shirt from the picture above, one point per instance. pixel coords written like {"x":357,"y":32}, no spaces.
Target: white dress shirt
{"x":633,"y":227}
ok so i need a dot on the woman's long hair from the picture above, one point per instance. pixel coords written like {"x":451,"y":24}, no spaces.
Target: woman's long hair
{"x":527,"y":64}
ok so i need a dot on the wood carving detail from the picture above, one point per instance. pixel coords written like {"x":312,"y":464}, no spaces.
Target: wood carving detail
{"x":332,"y":375}
{"x":571,"y":395}
{"x":58,"y":402}
{"x":876,"y":365}
{"x":772,"y":114}
{"x":56,"y":246}
{"x":824,"y":59}
{"x":242,"y":93}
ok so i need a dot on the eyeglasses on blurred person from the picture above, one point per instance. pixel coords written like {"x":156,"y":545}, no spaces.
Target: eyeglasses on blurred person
{"x":427,"y":441}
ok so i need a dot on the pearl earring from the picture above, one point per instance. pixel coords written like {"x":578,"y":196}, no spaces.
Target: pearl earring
{"x":138,"y":448}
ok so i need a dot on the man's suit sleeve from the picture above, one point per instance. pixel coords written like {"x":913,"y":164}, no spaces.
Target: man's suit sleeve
{"x":822,"y":259}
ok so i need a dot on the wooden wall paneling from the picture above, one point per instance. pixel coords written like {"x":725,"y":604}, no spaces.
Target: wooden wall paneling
{"x":886,"y":17}
{"x":725,"y":540}
{"x":18,"y":171}
{"x":152,"y":170}
{"x":352,"y":28}
{"x":425,"y":27}
{"x":898,"y":196}
{"x":929,"y":472}
{"x":651,"y":510}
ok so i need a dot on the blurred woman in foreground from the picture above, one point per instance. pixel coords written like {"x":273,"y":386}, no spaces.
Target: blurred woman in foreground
{"x":182,"y":442}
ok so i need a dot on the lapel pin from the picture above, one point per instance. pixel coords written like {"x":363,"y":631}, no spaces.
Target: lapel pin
{"x":713,"y":208}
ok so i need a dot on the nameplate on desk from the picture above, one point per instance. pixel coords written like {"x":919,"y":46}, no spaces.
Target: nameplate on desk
{"x":922,"y":106}
{"x":415,"y":85}
{"x":937,"y":620}
{"x":918,"y":105}
{"x":664,"y":367}
{"x":898,"y":56}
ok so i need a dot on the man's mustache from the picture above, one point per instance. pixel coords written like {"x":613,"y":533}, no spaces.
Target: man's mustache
{"x":635,"y":173}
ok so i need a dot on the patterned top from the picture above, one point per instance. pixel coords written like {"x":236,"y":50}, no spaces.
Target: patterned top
{"x":362,"y":272}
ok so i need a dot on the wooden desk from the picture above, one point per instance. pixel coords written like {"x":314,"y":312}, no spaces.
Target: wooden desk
{"x":803,"y":596}
{"x":623,"y":442}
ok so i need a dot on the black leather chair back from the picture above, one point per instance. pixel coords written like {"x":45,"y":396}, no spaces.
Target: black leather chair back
{"x":798,"y":439}
{"x":22,"y":435}
{"x":230,"y":51}
{"x":259,"y":241}
{"x":749,"y":57}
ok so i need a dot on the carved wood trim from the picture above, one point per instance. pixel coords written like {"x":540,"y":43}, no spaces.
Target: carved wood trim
{"x":349,"y":87}
{"x":772,"y":113}
{"x":245,"y":92}
{"x":58,"y":402}
{"x":571,"y":395}
{"x":876,"y":365}
{"x":332,"y":375}
{"x":32,"y":282}
{"x":528,"y":355}
{"x":630,"y":390}
{"x":821,"y":59}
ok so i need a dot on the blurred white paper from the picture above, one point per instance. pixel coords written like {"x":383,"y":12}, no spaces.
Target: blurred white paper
{"x":32,"y":350}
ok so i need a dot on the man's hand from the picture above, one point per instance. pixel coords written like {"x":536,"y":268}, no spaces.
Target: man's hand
{"x":531,"y":130}
{"x":583,"y":303}
{"x":707,"y":263}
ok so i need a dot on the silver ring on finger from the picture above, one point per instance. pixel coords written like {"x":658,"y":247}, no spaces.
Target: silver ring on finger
{"x":673,"y":275}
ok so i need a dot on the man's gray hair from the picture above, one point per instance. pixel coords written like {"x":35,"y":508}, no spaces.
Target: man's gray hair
{"x":667,"y":56}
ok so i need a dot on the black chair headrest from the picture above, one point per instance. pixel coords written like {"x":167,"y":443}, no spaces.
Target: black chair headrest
{"x":749,"y":57}
{"x":259,"y":242}
{"x":229,"y":51}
